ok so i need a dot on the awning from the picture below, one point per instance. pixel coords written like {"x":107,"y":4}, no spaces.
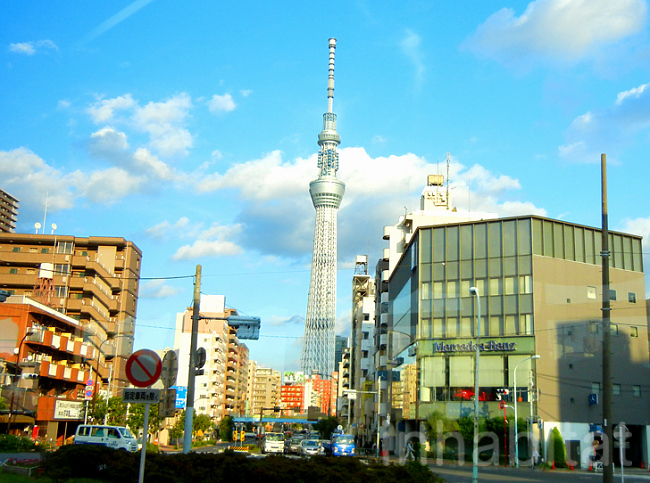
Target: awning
{"x":16,"y":419}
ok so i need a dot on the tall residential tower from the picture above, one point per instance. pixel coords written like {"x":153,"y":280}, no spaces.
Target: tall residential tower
{"x":326,"y":194}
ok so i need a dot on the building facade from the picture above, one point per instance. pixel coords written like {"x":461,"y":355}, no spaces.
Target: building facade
{"x":8,"y":212}
{"x":267,"y":385}
{"x":93,"y":280}
{"x":222,"y":388}
{"x":46,"y":363}
{"x":539,"y":285}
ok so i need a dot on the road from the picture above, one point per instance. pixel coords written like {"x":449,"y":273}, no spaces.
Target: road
{"x":463,"y":474}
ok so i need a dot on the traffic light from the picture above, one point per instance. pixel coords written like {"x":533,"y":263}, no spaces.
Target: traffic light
{"x":234,"y":435}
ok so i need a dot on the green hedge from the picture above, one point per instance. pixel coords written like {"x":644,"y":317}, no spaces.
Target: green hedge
{"x":104,"y":464}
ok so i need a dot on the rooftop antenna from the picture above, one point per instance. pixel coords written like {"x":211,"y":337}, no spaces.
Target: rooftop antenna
{"x":47,"y":199}
{"x":448,"y":179}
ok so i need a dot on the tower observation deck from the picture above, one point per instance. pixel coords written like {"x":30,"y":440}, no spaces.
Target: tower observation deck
{"x":326,"y":194}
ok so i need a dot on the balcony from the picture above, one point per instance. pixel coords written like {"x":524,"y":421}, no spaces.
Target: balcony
{"x":62,"y":342}
{"x":60,"y":370}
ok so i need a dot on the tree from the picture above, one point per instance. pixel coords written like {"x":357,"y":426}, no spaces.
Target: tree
{"x":98,"y":408}
{"x":136,"y":418}
{"x":326,"y":426}
{"x":203,"y":423}
{"x":116,"y":412}
{"x":226,"y":426}
{"x":558,"y":448}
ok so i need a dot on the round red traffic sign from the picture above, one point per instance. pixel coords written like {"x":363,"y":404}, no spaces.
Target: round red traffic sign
{"x":143,"y":368}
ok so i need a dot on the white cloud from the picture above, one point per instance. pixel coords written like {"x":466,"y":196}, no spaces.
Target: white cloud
{"x":104,"y":109}
{"x":631,"y":94}
{"x":63,"y":104}
{"x":30,"y":179}
{"x":638,"y":226}
{"x":410,"y":45}
{"x":565,"y":30}
{"x":107,"y":142}
{"x":206,"y":248}
{"x":610,"y":128}
{"x":279,"y":217}
{"x":156,"y":289}
{"x":223,"y":103}
{"x":246,"y":92}
{"x":165,"y":123}
{"x":30,"y":48}
{"x":166,"y":229}
{"x":108,"y":186}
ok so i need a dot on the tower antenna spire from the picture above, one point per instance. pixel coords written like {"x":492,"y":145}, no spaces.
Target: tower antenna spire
{"x":326,"y":195}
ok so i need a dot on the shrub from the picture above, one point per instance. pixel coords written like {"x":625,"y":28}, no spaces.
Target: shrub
{"x":16,"y":444}
{"x":104,"y":464}
{"x":558,"y":449}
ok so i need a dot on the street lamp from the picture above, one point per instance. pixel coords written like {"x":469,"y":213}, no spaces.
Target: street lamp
{"x":17,"y":351}
{"x":516,"y":399}
{"x":474,"y":291}
{"x":108,"y":387}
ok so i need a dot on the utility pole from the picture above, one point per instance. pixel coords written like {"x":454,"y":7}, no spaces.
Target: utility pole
{"x":608,"y":466}
{"x":189,"y":405}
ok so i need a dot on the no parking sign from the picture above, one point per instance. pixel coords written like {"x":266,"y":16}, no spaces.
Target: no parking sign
{"x":143,"y":368}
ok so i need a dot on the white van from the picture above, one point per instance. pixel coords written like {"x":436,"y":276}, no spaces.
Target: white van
{"x":273,"y":443}
{"x":116,"y":437}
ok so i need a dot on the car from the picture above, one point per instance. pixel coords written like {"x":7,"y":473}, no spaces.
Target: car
{"x":311,"y":447}
{"x":294,"y":443}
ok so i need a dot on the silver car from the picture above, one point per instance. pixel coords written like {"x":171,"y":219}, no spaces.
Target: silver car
{"x":311,"y":447}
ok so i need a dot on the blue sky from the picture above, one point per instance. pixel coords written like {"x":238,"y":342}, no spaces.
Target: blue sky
{"x":190,"y":128}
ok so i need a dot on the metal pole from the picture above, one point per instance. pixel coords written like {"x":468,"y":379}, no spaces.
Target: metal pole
{"x":143,"y":451}
{"x":108,"y":392}
{"x":535,"y":356}
{"x":531,"y":443}
{"x":474,"y":291}
{"x":608,"y":467}
{"x":189,"y":410}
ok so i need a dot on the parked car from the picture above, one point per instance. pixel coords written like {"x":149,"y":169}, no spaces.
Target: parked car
{"x":116,"y":437}
{"x":273,"y":443}
{"x":311,"y":447}
{"x":294,"y":444}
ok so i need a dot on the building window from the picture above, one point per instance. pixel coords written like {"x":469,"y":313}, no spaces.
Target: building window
{"x":591,"y":292}
{"x":612,"y":294}
{"x":636,"y":390}
{"x":614,"y":329}
{"x":593,"y":326}
{"x":61,"y":269}
{"x":60,"y":291}
{"x":616,"y":389}
{"x":634,"y":332}
{"x":16,"y":249}
{"x":631,"y":297}
{"x":13,"y":271}
{"x":45,"y":250}
{"x":595,"y":387}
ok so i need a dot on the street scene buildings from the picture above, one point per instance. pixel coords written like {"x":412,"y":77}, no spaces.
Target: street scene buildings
{"x":525,"y":292}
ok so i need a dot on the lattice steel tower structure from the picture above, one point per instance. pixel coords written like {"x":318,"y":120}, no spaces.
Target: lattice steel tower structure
{"x":326,"y":194}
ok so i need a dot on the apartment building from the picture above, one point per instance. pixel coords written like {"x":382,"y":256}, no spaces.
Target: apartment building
{"x":93,"y":280}
{"x":47,"y":361}
{"x":266,"y":390}
{"x":222,"y":388}
{"x":8,"y":212}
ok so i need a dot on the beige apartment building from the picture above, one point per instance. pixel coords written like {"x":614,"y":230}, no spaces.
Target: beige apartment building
{"x":265,"y":387}
{"x":92,"y":280}
{"x":222,"y":388}
{"x":8,"y":212}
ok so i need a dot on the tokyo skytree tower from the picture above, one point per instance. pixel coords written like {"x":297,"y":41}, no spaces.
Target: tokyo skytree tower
{"x":326,"y":194}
